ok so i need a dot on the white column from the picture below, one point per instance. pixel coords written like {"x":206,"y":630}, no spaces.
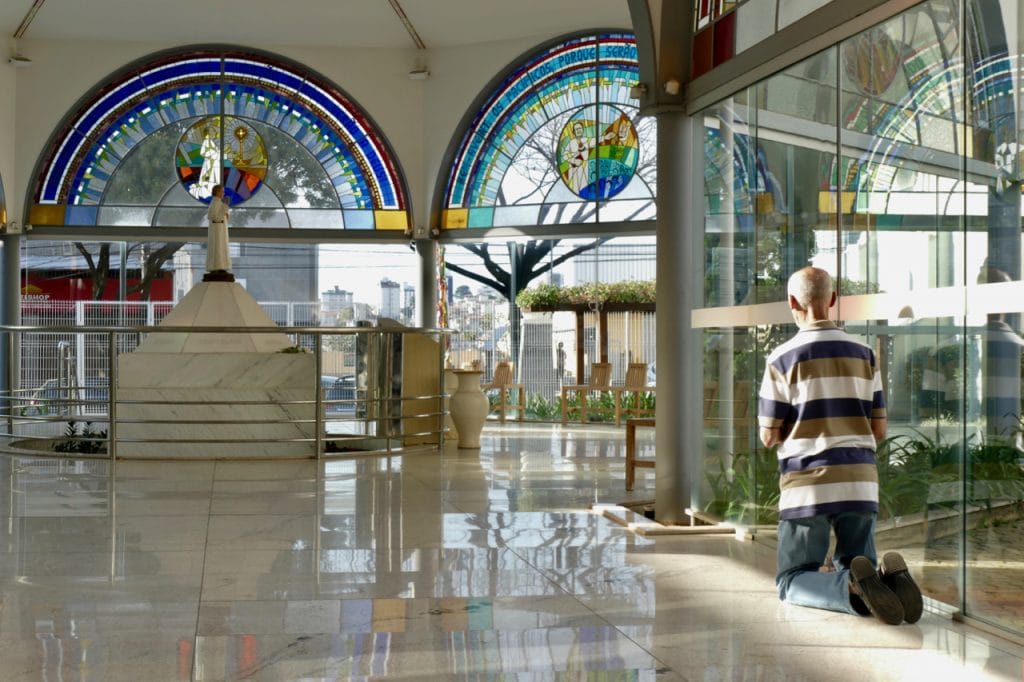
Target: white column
{"x":426,"y":292}
{"x":10,"y":310}
{"x":680,"y":286}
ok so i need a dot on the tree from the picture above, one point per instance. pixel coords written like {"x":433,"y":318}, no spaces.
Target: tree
{"x":527,"y":262}
{"x":151,"y":262}
{"x":99,"y":268}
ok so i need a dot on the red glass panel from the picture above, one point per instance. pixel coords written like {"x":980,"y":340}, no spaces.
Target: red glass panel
{"x":702,"y":56}
{"x":725,"y":39}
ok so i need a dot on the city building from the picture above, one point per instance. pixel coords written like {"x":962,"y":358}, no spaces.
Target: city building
{"x":408,"y":303}
{"x":337,"y":304}
{"x":390,"y":300}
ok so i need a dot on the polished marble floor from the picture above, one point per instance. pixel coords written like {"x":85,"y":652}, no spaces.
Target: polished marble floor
{"x":465,"y":565}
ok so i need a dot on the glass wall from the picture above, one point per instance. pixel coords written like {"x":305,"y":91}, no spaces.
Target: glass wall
{"x":891,"y":160}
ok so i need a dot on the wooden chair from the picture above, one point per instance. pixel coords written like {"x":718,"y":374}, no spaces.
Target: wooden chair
{"x":710,"y":396}
{"x":502,"y":382}
{"x":636,"y":384}
{"x":732,"y":417}
{"x":600,"y":380}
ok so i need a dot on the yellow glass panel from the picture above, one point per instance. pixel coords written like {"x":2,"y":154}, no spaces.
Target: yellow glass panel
{"x":765,"y":203}
{"x":827,"y":202}
{"x":847,"y":201}
{"x":46,"y":214}
{"x":454,"y":218}
{"x":391,"y":220}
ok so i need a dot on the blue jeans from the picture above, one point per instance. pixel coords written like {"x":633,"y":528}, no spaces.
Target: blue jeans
{"x":803,"y":546}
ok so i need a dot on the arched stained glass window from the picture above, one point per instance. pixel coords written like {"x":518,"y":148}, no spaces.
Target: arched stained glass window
{"x":291,"y":149}
{"x":557,"y":140}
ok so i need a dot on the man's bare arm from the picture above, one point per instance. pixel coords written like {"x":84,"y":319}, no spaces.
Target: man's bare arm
{"x":878,"y":428}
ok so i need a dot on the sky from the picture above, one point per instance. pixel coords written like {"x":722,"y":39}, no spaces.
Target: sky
{"x":359,"y":268}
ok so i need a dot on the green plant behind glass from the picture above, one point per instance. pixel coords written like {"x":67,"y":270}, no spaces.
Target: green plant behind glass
{"x":747,"y":492}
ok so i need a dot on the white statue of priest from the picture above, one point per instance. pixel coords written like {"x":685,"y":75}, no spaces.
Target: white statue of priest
{"x":218,"y":261}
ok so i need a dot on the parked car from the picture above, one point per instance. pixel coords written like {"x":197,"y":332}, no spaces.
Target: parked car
{"x":339,"y":392}
{"x":52,"y":398}
{"x":95,"y":393}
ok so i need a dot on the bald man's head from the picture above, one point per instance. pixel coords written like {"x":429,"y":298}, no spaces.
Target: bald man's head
{"x":811,"y":288}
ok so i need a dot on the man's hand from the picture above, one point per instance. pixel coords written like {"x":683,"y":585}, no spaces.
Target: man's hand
{"x":770,"y":437}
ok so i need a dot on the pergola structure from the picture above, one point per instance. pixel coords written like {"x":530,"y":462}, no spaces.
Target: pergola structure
{"x":602,"y":309}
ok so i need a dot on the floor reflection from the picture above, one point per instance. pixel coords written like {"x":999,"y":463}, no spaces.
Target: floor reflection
{"x":451,"y":566}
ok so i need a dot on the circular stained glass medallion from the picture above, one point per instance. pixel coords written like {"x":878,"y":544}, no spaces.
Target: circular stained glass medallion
{"x":597,"y":158}
{"x":241,"y":168}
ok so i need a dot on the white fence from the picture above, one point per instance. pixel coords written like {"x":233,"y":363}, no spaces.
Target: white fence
{"x":484,"y":335}
{"x":45,"y":361}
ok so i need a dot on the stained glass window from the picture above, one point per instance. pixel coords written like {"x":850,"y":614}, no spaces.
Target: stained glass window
{"x":291,"y":149}
{"x":557,"y":141}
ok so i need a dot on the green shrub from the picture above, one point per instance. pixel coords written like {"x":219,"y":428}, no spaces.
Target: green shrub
{"x":551,"y":296}
{"x":88,"y":442}
{"x":748,"y":491}
{"x":540,"y":408}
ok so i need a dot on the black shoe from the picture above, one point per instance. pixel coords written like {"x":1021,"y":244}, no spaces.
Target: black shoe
{"x":895,"y":575}
{"x":865,"y":583}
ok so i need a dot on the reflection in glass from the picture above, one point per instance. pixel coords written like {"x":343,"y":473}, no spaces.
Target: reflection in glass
{"x":910,"y":188}
{"x":741,"y":481}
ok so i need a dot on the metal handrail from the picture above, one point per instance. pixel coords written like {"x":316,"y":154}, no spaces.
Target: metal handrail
{"x":288,"y":331}
{"x":372,"y":411}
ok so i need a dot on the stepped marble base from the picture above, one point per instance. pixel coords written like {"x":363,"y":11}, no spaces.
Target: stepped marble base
{"x":180,"y":378}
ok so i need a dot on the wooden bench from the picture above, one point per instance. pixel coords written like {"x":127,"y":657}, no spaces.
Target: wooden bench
{"x":631,"y":461}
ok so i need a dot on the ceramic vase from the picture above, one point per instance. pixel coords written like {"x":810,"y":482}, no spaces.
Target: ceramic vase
{"x":469,"y":407}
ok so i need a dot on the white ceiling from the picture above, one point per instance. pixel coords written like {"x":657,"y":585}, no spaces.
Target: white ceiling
{"x":313,"y":23}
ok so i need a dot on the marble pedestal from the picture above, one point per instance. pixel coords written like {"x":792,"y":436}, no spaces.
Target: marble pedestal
{"x":170,"y":370}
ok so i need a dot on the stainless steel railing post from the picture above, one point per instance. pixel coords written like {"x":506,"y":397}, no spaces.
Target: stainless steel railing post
{"x":442,"y":392}
{"x":112,"y":395}
{"x":9,"y":388}
{"x":319,"y":403}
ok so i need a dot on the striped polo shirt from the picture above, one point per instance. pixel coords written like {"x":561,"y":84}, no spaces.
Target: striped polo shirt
{"x":822,"y":388}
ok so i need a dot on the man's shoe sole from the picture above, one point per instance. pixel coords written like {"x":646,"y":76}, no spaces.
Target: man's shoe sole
{"x":896,"y":576}
{"x":866,"y":584}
